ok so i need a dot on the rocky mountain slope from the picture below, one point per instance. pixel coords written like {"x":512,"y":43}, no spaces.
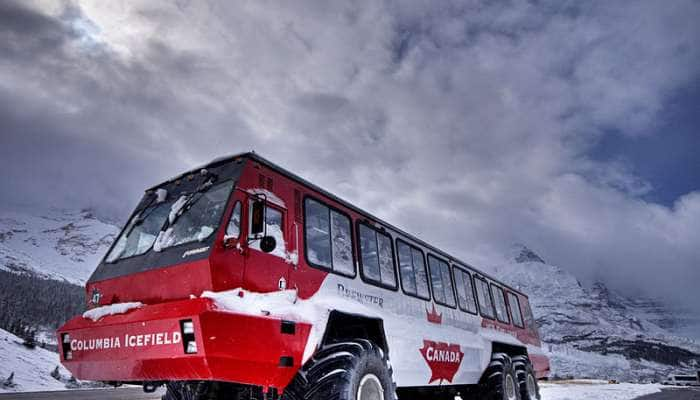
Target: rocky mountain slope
{"x":61,"y":245}
{"x":45,"y":259}
{"x":595,"y":332}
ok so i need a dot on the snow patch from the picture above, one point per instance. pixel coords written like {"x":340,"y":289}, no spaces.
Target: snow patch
{"x":285,"y":304}
{"x":32,"y":367}
{"x":113,"y":309}
{"x":271,"y":197}
{"x":161,"y":195}
{"x":595,"y":390}
{"x":163,"y":240}
{"x":281,"y":247}
{"x":176,"y":208}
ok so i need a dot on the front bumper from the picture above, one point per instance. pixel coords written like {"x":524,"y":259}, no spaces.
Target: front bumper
{"x":148,"y":344}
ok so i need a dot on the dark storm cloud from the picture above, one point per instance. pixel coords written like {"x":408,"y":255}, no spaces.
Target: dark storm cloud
{"x":82,"y":127}
{"x":467,"y":122}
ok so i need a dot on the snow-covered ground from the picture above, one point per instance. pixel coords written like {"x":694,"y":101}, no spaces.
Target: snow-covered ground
{"x":32,"y":367}
{"x":595,"y":390}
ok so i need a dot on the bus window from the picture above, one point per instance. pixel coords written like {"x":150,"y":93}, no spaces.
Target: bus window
{"x":414,"y":278}
{"x":529,"y":318}
{"x":499,"y":300}
{"x":273,"y":227}
{"x":515,"y":312}
{"x":465,"y":291}
{"x":233,"y":229}
{"x":441,"y":280}
{"x":376,"y":257}
{"x":328,"y":238}
{"x":483,"y":295}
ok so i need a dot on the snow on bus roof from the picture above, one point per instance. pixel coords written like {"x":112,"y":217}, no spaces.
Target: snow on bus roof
{"x":217,"y":160}
{"x":269,"y":196}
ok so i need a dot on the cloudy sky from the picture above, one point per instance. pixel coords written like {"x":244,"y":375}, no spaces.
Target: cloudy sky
{"x":572,"y":127}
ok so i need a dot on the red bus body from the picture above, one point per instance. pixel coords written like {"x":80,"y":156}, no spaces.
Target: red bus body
{"x":429,"y":343}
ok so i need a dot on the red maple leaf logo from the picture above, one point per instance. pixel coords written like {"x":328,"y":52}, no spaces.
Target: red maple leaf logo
{"x":433,"y":316}
{"x":443,"y":359}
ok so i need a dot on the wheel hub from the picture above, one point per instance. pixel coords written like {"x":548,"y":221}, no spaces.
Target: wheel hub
{"x":510,"y":388}
{"x":531,"y":387}
{"x":370,"y":388}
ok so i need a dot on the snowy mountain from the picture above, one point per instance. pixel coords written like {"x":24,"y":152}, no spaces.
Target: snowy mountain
{"x":61,"y":245}
{"x":45,"y":258}
{"x":595,"y":332}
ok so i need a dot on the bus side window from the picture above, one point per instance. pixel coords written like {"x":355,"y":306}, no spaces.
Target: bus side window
{"x":529,"y":318}
{"x":514,"y":305}
{"x":499,"y":300}
{"x":376,"y":257}
{"x":483,"y":295}
{"x":441,"y":280}
{"x":414,"y":278}
{"x":274,"y":226}
{"x":328,"y":238}
{"x":465,"y":290}
{"x":233,"y":229}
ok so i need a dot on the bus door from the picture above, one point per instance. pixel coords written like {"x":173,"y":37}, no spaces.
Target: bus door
{"x":267,"y":269}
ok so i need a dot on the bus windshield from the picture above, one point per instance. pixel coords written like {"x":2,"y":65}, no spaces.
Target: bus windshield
{"x":140,"y":232}
{"x":194,"y":217}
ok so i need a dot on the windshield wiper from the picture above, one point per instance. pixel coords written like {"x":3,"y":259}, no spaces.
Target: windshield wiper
{"x":190,"y":201}
{"x":139,"y":217}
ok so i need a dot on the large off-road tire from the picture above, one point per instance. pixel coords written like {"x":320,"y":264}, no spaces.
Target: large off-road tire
{"x":499,"y":381}
{"x":352,"y":370}
{"x":527,"y":381}
{"x":186,"y":391}
{"x":210,"y":391}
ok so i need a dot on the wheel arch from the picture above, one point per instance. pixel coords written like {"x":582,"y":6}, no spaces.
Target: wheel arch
{"x":346,"y":326}
{"x":507,"y":348}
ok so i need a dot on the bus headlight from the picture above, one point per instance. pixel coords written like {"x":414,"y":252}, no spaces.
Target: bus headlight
{"x":189,"y":340}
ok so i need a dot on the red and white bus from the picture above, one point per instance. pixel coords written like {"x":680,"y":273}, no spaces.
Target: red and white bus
{"x":241,"y":280}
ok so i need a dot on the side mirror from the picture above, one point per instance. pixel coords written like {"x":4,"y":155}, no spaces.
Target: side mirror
{"x":257,"y":221}
{"x":268,"y":244}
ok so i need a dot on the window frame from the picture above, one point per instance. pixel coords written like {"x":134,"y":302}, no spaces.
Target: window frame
{"x":456,"y":267}
{"x":505,"y":303}
{"x":510,"y":309}
{"x":430,"y":278}
{"x":478,"y":303}
{"x":306,"y":242}
{"x":281,"y":210}
{"x":425,"y":268}
{"x":529,"y":318}
{"x":370,"y":281}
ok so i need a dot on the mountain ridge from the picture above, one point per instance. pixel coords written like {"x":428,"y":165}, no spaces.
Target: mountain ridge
{"x":594,"y":322}
{"x":57,"y":244}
